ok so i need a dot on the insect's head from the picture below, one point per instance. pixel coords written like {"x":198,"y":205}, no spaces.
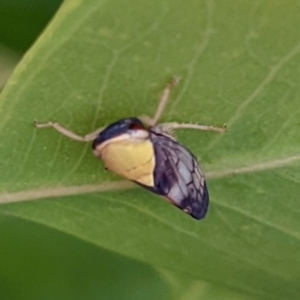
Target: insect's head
{"x":126,"y":129}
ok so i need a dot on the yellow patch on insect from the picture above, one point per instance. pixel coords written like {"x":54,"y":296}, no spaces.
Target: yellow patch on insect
{"x":128,"y":158}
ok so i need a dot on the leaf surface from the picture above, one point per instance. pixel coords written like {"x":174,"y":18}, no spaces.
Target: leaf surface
{"x":99,"y":61}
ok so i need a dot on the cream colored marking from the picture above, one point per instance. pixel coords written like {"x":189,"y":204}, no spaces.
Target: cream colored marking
{"x":144,"y":177}
{"x":130,"y":159}
{"x":119,"y":138}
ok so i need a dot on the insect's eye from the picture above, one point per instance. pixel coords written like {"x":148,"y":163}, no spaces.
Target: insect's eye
{"x":137,"y":131}
{"x":135,"y":126}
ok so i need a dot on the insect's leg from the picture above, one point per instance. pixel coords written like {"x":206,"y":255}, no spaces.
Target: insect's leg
{"x":161,"y":105}
{"x":175,"y":125}
{"x":71,"y":135}
{"x":91,"y":136}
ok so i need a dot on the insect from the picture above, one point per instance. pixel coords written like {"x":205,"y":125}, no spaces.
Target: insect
{"x":147,"y":153}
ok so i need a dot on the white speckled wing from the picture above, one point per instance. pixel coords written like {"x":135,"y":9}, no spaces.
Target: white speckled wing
{"x":178,"y":176}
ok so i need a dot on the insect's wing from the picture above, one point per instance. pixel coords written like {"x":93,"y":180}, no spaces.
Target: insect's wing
{"x":178,"y":177}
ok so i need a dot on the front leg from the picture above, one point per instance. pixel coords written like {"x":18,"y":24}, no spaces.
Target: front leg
{"x":161,"y":105}
{"x":69,"y":134}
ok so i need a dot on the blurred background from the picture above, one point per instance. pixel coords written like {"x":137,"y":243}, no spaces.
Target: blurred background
{"x":21,"y":22}
{"x":41,"y":263}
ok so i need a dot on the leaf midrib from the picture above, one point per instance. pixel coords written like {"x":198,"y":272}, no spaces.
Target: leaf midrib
{"x":11,"y":197}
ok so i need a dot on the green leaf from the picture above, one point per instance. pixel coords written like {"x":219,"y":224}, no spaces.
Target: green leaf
{"x":99,"y":61}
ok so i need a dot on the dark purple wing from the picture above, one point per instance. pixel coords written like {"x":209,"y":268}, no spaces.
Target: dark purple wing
{"x":178,"y":176}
